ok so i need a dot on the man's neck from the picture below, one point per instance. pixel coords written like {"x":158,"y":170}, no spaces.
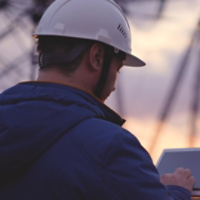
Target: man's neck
{"x":74,"y":80}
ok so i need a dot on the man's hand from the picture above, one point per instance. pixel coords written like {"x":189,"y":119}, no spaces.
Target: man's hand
{"x":181,"y":177}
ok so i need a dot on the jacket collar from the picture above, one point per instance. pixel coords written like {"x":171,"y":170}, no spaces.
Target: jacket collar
{"x":66,"y":93}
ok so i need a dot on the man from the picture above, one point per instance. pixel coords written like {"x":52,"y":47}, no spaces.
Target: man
{"x":57,"y":138}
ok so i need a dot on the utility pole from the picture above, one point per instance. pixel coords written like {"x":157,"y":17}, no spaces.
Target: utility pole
{"x":196,"y":97}
{"x":173,"y":91}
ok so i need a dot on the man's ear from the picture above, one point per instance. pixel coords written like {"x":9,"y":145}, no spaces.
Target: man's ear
{"x":96,"y":56}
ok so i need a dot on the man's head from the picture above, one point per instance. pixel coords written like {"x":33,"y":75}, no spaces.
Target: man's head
{"x":85,"y":71}
{"x":60,"y":45}
{"x":103,"y":40}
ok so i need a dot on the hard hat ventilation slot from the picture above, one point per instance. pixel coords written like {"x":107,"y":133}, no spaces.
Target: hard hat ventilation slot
{"x":121,"y":29}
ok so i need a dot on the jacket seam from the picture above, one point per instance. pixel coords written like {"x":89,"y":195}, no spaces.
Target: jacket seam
{"x":116,"y":139}
{"x":93,"y":164}
{"x":106,"y":158}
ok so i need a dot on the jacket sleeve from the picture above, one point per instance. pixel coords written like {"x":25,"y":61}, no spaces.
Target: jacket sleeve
{"x":131,"y":174}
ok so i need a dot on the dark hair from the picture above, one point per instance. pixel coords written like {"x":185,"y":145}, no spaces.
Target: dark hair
{"x":60,"y":45}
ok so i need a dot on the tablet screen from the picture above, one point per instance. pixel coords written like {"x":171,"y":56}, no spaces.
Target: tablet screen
{"x":186,"y":158}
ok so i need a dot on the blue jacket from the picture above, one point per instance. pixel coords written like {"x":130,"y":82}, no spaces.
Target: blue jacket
{"x":61,"y":143}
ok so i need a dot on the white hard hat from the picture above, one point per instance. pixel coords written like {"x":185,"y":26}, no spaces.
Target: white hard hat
{"x":99,"y":20}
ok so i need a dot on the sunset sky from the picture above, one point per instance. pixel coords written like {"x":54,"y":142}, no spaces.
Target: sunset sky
{"x":161,"y":45}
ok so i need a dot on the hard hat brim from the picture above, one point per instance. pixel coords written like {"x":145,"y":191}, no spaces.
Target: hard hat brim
{"x":133,"y":61}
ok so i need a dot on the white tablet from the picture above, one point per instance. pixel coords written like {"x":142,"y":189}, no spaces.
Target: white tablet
{"x":188,"y":158}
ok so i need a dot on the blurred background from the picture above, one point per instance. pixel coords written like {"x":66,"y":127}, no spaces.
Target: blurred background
{"x":160,"y":101}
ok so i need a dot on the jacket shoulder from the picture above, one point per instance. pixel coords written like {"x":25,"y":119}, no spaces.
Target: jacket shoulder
{"x":97,"y":130}
{"x":95,"y":137}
